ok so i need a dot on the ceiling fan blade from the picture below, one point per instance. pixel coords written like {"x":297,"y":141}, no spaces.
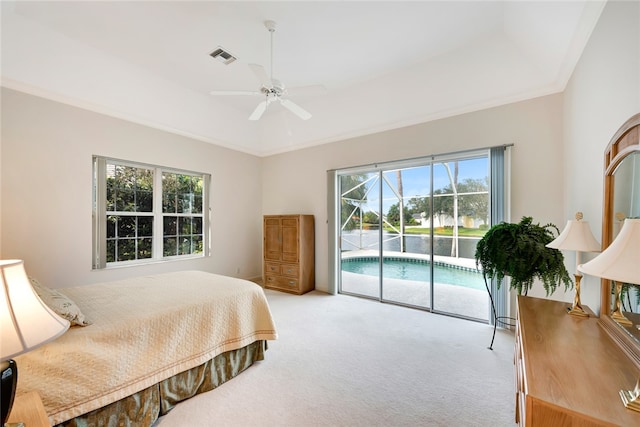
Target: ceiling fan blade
{"x":295,"y":109}
{"x":259,"y":111}
{"x":261,"y":75}
{"x":306,"y":90}
{"x":234,"y":92}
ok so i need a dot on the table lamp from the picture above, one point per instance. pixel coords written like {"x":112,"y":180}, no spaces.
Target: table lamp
{"x":620,"y":263}
{"x":576,"y":236}
{"x":26,"y":323}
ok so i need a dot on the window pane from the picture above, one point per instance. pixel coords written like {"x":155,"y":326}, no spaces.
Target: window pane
{"x":129,"y":188}
{"x":170,"y":226}
{"x":127,"y":226}
{"x":145,"y":201}
{"x":169,"y":203}
{"x":197,"y":225}
{"x":169,"y":182}
{"x":185,"y":203}
{"x":111,"y":250}
{"x":126,"y":249}
{"x":197,"y":244}
{"x":184,"y":183}
{"x":197,"y":203}
{"x":111,"y":226}
{"x":144,"y":248}
{"x":145,"y":226}
{"x":170,"y":246}
{"x":124,"y":233}
{"x":182,"y":193}
{"x":144,"y":179}
{"x":184,"y":226}
{"x":185,"y":245}
{"x":125,"y":200}
{"x":111,"y":197}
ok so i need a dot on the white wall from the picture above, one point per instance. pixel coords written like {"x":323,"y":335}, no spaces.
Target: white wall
{"x":295,"y":182}
{"x":603,"y":92}
{"x":46,"y":173}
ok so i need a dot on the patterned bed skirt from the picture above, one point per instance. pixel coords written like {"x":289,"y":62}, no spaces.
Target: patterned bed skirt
{"x":142,"y":409}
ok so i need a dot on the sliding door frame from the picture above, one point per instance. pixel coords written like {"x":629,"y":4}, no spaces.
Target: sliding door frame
{"x":499,"y":193}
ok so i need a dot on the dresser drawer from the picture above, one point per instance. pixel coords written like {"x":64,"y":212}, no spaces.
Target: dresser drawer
{"x":270,"y":280}
{"x":281,"y":282}
{"x":271,"y":268}
{"x":289,"y":270}
{"x":287,"y":282}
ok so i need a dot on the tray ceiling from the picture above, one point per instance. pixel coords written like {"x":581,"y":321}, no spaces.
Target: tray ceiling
{"x":384,"y":64}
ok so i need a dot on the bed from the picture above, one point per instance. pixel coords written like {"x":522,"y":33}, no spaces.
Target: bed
{"x":149,"y":343}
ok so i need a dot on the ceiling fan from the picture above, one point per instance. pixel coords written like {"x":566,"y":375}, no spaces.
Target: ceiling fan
{"x":273,"y":90}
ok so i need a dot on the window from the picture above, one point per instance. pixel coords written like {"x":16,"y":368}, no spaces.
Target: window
{"x":145,"y":213}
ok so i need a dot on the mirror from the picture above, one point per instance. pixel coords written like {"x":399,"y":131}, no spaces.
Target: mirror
{"x":622,"y":200}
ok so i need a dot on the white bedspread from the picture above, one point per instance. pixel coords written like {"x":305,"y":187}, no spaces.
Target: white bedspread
{"x":144,"y":330}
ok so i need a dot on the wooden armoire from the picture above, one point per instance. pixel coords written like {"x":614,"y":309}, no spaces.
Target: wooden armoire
{"x":289,"y":253}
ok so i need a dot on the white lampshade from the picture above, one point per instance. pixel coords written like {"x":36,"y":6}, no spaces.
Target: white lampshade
{"x":621,"y":260}
{"x":576,"y":236}
{"x":26,"y":322}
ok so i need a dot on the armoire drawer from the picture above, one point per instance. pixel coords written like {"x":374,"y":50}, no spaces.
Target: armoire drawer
{"x":289,"y":270}
{"x":281,"y":282}
{"x":271,"y":268}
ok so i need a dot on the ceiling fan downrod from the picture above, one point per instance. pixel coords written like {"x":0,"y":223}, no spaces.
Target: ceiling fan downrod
{"x":271,"y":26}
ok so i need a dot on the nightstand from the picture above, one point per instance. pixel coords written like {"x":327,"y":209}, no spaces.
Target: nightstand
{"x":29,"y":410}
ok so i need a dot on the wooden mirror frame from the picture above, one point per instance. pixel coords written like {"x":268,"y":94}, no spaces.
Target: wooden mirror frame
{"x":624,"y":142}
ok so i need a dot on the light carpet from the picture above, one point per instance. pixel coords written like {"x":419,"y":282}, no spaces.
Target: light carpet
{"x":347,"y":361}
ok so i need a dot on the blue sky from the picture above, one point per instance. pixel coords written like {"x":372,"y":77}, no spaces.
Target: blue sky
{"x":415,"y":180}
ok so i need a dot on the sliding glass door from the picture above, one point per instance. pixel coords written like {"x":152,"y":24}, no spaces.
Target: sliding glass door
{"x":461,"y":191}
{"x":406,"y":273}
{"x":408,"y":232}
{"x":360,"y":233}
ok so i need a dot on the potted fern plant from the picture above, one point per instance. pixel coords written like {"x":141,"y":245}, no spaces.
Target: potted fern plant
{"x":520,"y":252}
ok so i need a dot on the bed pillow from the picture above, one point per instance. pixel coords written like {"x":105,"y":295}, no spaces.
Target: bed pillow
{"x":60,"y":303}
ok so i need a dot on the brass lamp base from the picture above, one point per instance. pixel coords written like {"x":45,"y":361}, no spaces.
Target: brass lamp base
{"x":621,"y":319}
{"x":631,"y":399}
{"x":617,"y":312}
{"x":576,"y":309}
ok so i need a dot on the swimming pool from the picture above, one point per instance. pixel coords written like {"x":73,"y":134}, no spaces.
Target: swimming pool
{"x":415,"y":269}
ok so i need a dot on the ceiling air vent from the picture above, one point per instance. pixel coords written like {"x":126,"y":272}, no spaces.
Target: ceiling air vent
{"x":223,"y":56}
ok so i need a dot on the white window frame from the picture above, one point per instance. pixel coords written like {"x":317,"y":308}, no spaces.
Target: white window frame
{"x":99,"y":212}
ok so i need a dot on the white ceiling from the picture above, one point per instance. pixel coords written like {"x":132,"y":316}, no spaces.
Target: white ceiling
{"x":384,"y":64}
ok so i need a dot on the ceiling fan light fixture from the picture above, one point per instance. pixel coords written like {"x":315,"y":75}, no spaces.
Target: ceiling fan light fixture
{"x":222,"y":55}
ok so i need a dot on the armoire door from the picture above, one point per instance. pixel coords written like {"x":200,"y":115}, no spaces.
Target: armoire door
{"x":272,"y":239}
{"x":290,"y":240}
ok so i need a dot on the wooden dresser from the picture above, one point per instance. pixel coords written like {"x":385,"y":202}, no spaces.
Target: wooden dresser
{"x":28,"y":410}
{"x":568,"y":370}
{"x":289,"y":253}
